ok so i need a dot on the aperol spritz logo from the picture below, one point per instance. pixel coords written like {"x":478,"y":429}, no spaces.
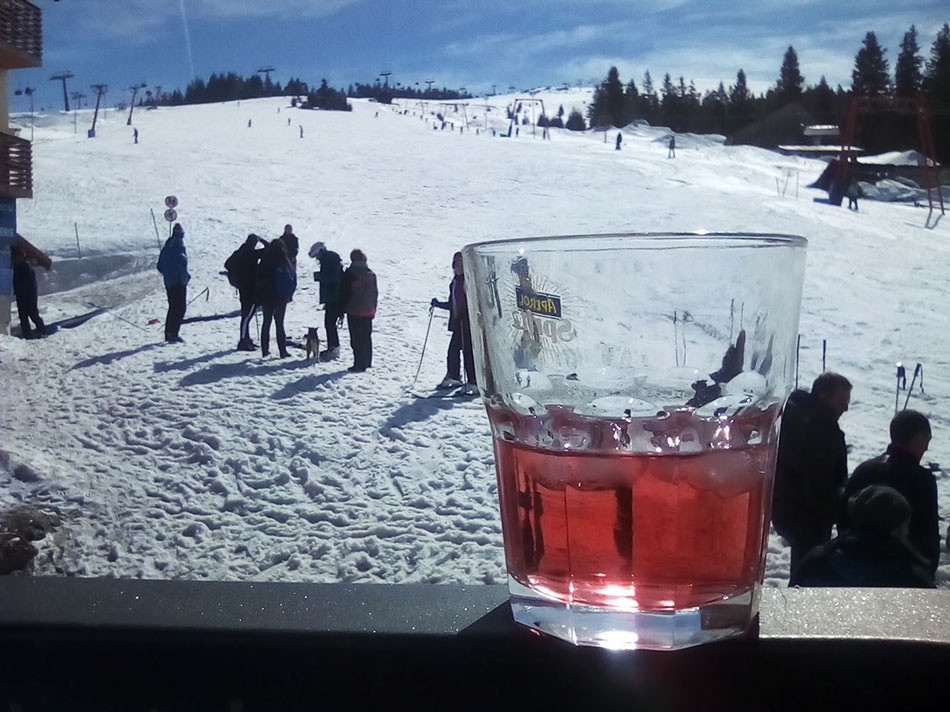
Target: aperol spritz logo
{"x":548,"y":305}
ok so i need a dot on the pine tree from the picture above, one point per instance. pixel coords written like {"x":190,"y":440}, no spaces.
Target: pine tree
{"x":649,"y":103}
{"x":790,"y":79}
{"x":937,"y":78}
{"x":870,"y":74}
{"x":575,"y":122}
{"x":607,"y":106}
{"x":740,"y":102}
{"x":907,"y":76}
{"x":824,"y":99}
{"x":631,"y":102}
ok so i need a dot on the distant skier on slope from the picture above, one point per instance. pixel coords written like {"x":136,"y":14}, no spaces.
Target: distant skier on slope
{"x":853,"y":192}
{"x":619,"y":140}
{"x":461,"y":329}
{"x":672,"y":152}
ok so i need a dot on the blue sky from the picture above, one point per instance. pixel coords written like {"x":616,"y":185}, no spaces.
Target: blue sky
{"x":470,"y":43}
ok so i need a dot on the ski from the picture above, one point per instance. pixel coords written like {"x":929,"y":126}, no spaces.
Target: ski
{"x":444,"y":394}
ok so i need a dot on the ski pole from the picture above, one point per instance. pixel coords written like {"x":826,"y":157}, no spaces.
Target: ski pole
{"x":110,"y":313}
{"x":155,"y":223}
{"x":919,"y":369}
{"x":824,"y":351}
{"x":422,"y":355}
{"x":203,"y":291}
{"x":901,"y":378}
{"x":798,"y":359}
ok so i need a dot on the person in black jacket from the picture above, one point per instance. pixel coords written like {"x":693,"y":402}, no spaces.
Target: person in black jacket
{"x":276,"y":282}
{"x":874,"y":551}
{"x":899,"y":467}
{"x":359,"y":295}
{"x":242,"y":274}
{"x":812,"y":465}
{"x":460,"y":327}
{"x":292,"y":243}
{"x":25,"y":291}
{"x":330,"y":278}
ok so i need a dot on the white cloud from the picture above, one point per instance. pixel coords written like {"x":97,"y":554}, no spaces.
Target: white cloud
{"x":266,"y":8}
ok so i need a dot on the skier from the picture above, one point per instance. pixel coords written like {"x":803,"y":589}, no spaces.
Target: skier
{"x":276,"y":282}
{"x":619,"y":140}
{"x":301,"y":130}
{"x":173,"y":264}
{"x":288,"y":121}
{"x":359,"y":295}
{"x":242,"y":274}
{"x":853,"y":193}
{"x":672,"y":152}
{"x":135,"y":135}
{"x":460,"y":327}
{"x":330,"y":278}
{"x":25,"y":291}
{"x":292,"y":243}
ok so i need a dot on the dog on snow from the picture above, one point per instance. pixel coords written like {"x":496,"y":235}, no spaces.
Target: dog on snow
{"x":313,"y":345}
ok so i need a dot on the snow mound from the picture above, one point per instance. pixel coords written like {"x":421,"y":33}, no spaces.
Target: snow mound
{"x":894,"y":191}
{"x":895,"y":158}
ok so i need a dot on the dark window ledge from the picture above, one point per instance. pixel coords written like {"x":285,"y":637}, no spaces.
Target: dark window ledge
{"x":87,"y":643}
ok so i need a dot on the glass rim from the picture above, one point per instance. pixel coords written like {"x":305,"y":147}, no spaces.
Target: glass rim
{"x":653,"y":240}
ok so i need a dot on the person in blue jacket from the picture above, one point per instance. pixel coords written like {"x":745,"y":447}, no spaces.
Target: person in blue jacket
{"x":276,"y":283}
{"x":173,"y":264}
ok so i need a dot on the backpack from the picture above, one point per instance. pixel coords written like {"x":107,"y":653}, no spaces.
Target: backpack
{"x":229,"y":266}
{"x":285,"y":281}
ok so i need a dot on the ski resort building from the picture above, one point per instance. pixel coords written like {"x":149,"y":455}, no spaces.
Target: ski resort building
{"x":21,"y":46}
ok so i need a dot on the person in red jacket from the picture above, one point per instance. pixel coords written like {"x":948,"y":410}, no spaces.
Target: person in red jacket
{"x":358,"y":295}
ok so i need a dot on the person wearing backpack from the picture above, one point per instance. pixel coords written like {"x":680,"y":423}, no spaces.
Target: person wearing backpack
{"x":173,"y":264}
{"x":359,"y":294}
{"x":276,"y":283}
{"x":242,"y":274}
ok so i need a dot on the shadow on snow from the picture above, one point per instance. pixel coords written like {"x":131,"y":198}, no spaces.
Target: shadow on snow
{"x":416,"y":411}
{"x":221,"y":371}
{"x":306,"y":384}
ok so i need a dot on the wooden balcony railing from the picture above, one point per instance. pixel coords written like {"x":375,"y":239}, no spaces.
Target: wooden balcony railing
{"x":16,"y":167}
{"x":21,"y":34}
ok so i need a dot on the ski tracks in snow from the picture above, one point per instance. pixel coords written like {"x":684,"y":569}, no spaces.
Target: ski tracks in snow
{"x":226,"y":465}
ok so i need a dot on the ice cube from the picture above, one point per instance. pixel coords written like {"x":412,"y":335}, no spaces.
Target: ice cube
{"x":571,"y":438}
{"x":524,"y":404}
{"x":726,"y":406}
{"x":727,"y":472}
{"x":618,"y":407}
{"x":747,"y":382}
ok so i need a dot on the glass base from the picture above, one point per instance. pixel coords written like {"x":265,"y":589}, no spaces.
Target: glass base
{"x":626,"y":629}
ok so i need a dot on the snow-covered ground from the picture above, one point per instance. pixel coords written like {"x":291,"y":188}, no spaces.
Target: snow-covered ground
{"x":198,"y":461}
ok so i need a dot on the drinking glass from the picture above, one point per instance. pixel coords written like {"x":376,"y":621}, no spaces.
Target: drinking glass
{"x":634,"y":385}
